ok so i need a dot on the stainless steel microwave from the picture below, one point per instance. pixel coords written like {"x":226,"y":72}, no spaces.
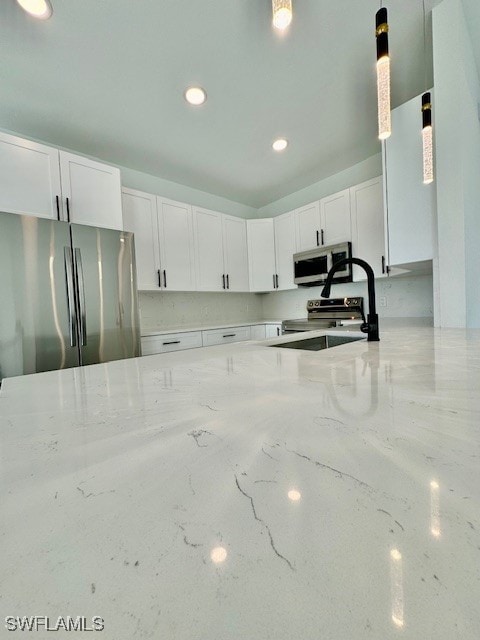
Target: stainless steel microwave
{"x":311,"y":267}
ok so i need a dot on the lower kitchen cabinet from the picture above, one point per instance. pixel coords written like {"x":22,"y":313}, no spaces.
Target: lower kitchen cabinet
{"x":171,"y":342}
{"x":273,"y":330}
{"x":257,"y":332}
{"x":225,"y":336}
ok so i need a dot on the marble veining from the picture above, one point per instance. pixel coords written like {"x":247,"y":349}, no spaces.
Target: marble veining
{"x":244,"y":491}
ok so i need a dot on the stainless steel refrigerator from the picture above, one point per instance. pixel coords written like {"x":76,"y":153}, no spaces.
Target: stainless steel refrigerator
{"x":68,"y":295}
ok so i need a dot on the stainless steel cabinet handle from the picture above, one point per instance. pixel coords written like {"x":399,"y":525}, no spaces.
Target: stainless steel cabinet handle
{"x":82,"y":325}
{"x":230,"y":335}
{"x":172,"y":342}
{"x":228,"y":281}
{"x":67,"y":254}
{"x":164,"y":278}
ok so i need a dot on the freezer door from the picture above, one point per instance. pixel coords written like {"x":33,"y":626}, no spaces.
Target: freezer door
{"x":37,"y":306}
{"x":108,"y":327}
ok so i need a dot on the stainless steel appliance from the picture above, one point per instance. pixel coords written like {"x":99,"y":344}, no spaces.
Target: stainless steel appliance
{"x":311,"y":267}
{"x":326,"y":313}
{"x":68,"y":295}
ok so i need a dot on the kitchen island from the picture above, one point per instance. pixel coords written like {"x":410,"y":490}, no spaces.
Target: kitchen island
{"x":247,"y":492}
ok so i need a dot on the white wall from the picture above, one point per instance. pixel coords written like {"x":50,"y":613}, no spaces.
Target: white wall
{"x":175,"y":310}
{"x":406,"y":297}
{"x":457,"y":131}
{"x":360,"y":172}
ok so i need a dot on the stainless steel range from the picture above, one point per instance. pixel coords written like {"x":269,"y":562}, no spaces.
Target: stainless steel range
{"x":326,"y":313}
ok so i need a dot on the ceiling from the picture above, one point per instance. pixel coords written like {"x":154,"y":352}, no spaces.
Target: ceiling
{"x":106,"y":78}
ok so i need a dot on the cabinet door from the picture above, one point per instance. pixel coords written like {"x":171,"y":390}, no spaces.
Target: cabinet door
{"x":29,"y":178}
{"x":335,"y":218}
{"x":273,"y":330}
{"x":308,"y":226}
{"x":285,"y":247}
{"x":411,"y":204}
{"x":261,"y":255}
{"x":93,"y":191}
{"x":209,"y":250}
{"x":140,"y":217}
{"x":175,"y":232}
{"x":235,"y":253}
{"x":368,"y":241}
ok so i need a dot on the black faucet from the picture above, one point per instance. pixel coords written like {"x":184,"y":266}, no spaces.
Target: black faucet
{"x":371,"y":325}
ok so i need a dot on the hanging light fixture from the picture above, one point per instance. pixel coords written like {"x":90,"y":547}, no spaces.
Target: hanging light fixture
{"x":427,"y":138}
{"x":282,"y":13}
{"x":427,"y":131}
{"x":383,"y":75}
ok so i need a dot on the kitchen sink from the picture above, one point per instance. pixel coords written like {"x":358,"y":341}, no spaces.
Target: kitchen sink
{"x":318,"y":343}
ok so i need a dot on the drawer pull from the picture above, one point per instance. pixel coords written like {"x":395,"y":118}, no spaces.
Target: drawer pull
{"x":230,"y":335}
{"x":173,"y":342}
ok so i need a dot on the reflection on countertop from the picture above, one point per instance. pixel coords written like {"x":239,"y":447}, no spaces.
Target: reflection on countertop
{"x":243,"y":491}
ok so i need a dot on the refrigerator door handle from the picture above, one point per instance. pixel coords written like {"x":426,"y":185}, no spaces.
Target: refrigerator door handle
{"x":67,"y":254}
{"x":81,"y":297}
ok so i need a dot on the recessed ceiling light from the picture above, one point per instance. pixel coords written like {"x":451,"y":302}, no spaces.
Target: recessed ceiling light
{"x":41,"y":9}
{"x":280,"y":145}
{"x":195,"y":95}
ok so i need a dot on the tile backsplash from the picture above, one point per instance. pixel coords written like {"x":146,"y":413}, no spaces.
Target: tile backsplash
{"x":407,"y":297}
{"x":164,"y":310}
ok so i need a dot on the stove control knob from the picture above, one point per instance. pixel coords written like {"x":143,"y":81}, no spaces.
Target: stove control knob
{"x":317,"y":303}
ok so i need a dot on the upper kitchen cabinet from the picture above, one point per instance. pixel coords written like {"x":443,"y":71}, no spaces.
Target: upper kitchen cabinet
{"x":308,"y":226}
{"x":235,"y":253}
{"x":285,"y":247}
{"x":208,"y":233}
{"x":368,"y":234}
{"x":411,"y":204}
{"x":261,"y":255}
{"x":91,"y":192}
{"x":177,"y":251}
{"x":140,"y":217}
{"x":29,"y":178}
{"x":335,"y":218}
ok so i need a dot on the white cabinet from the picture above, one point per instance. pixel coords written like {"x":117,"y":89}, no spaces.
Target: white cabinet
{"x":273,"y":330}
{"x":285,"y":247}
{"x":235,"y":253}
{"x":257,"y":332}
{"x":140,"y":217}
{"x":308,"y":226}
{"x":177,"y":253}
{"x":91,"y":192}
{"x":42,"y":181}
{"x":261,"y":254}
{"x":335,"y":218}
{"x":208,"y":234}
{"x":368,"y":236}
{"x":29,"y":178}
{"x":225,"y":336}
{"x":325,"y":222}
{"x":171,"y":342}
{"x":411,"y":204}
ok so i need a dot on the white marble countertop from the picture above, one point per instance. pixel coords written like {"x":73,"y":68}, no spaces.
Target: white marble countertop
{"x":196,"y":327}
{"x":244,"y":492}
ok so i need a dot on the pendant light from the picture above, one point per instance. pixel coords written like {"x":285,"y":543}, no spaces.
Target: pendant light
{"x":427,"y":131}
{"x":383,"y":75}
{"x":282,"y":13}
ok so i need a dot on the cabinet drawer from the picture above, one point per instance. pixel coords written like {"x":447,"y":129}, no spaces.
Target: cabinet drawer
{"x":258,"y":332}
{"x":171,"y":342}
{"x":224,"y":336}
